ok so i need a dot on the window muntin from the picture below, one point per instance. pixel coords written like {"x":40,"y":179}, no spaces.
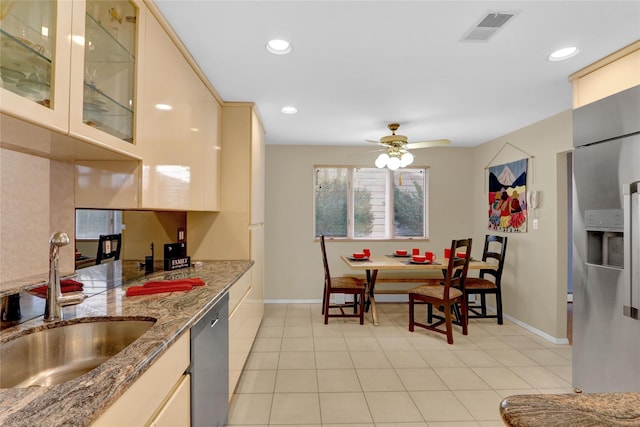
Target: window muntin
{"x":371,"y":203}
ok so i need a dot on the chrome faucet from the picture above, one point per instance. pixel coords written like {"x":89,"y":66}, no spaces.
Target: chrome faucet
{"x":55,"y":300}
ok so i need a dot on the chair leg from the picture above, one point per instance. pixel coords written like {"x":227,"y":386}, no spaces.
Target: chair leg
{"x":464,"y":319}
{"x":324,"y":297}
{"x":429,"y":313}
{"x":326,"y":309}
{"x":499,"y":307}
{"x":448,"y":323}
{"x":483,"y":305}
{"x":411,"y":315}
{"x":361,"y":309}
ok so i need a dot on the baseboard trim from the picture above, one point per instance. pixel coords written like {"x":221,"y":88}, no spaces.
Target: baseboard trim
{"x":530,"y":328}
{"x":293,"y":301}
{"x":403,"y":298}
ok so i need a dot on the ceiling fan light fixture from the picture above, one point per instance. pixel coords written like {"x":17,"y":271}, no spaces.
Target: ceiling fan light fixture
{"x":406,"y":159}
{"x":393,"y":163}
{"x":382,"y":160}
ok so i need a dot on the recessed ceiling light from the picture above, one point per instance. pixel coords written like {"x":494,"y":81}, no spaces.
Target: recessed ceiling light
{"x":165,"y":107}
{"x":279,"y":47}
{"x":564,"y":53}
{"x":289,"y":110}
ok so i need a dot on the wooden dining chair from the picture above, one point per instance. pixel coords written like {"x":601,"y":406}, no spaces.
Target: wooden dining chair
{"x":445,"y":295}
{"x":341,"y":285}
{"x":489,"y":281}
{"x":109,"y":246}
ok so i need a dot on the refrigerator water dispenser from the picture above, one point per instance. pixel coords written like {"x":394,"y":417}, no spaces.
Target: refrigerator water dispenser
{"x":605,"y":237}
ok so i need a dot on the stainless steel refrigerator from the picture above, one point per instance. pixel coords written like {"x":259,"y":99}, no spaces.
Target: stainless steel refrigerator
{"x":606,"y":244}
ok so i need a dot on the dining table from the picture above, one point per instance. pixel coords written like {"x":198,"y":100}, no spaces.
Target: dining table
{"x":374,"y":263}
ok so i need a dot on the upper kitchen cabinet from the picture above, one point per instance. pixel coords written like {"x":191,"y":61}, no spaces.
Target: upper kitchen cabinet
{"x":229,"y":234}
{"x":612,"y":74}
{"x":179,"y":126}
{"x":70,"y":67}
{"x":104,"y":72}
{"x":35,"y":61}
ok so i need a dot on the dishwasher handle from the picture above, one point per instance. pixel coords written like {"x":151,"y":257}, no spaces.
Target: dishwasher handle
{"x":216,"y":320}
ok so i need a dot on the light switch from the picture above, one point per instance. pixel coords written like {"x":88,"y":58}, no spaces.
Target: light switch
{"x":535,"y":223}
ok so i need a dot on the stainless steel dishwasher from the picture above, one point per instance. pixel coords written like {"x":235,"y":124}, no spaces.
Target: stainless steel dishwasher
{"x":210,"y":367}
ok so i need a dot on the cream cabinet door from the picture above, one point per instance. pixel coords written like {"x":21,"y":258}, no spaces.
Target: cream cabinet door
{"x":177,"y":410}
{"x":35,"y":60}
{"x":153,"y":388}
{"x":105,"y":69}
{"x":178,"y":129}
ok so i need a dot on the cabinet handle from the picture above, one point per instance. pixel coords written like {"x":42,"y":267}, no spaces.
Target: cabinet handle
{"x":213,"y":322}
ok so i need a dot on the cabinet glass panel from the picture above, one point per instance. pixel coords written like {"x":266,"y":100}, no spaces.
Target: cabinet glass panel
{"x":27,"y":30}
{"x":109,"y":60}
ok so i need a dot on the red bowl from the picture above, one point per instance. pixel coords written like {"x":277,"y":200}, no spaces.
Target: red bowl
{"x":419,"y":258}
{"x":401,"y":252}
{"x":358,"y":255}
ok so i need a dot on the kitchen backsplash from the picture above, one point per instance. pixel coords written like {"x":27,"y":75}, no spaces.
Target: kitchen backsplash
{"x":36,"y":199}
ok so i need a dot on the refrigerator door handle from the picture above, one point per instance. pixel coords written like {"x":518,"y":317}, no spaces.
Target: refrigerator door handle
{"x":632,"y":248}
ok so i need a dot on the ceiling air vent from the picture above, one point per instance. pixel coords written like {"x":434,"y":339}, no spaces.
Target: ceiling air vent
{"x":487,"y":26}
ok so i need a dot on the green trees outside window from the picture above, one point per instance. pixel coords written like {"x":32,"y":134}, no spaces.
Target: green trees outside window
{"x":370,"y":203}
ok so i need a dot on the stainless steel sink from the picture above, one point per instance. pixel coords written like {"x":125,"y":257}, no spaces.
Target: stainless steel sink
{"x":55,"y":355}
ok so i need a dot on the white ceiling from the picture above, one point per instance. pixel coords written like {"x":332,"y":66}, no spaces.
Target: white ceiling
{"x":358,"y":65}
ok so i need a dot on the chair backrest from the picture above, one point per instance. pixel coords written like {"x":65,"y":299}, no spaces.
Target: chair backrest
{"x":495,"y":248}
{"x":457,"y":268}
{"x":109,"y":246}
{"x":327,"y":275}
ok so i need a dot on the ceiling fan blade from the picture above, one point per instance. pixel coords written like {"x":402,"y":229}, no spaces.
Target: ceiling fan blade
{"x":427,"y":144}
{"x":375,"y":142}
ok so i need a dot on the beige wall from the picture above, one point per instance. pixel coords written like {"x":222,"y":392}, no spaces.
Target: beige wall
{"x":535,"y":276}
{"x":36,"y":200}
{"x":534,"y":280}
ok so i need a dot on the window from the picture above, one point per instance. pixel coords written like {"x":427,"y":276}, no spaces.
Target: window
{"x":91,"y":223}
{"x":371,"y":203}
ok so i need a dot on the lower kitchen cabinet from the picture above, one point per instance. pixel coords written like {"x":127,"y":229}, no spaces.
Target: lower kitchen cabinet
{"x":160,"y":390}
{"x":175,"y":412}
{"x":246,"y":308}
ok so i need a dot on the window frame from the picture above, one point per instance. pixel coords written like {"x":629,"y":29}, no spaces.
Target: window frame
{"x":113,"y":223}
{"x":389,"y":197}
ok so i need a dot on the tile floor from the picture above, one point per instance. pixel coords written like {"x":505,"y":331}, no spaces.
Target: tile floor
{"x":304,"y":373}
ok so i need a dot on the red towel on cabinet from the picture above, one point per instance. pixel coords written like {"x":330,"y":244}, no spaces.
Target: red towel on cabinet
{"x":162,"y":286}
{"x":141,"y":290}
{"x":66,"y":285}
{"x":195,"y":281}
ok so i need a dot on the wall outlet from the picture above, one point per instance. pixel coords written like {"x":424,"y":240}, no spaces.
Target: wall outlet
{"x":535,"y":224}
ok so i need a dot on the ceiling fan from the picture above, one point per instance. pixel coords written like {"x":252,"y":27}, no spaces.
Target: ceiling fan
{"x":398,"y":155}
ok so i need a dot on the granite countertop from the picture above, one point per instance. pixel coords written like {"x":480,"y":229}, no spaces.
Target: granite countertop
{"x":81,"y":401}
{"x":569,"y":410}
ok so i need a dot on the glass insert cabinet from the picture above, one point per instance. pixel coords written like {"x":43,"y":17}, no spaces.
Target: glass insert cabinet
{"x":43,"y":49}
{"x":27,"y":31}
{"x":109,"y":67}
